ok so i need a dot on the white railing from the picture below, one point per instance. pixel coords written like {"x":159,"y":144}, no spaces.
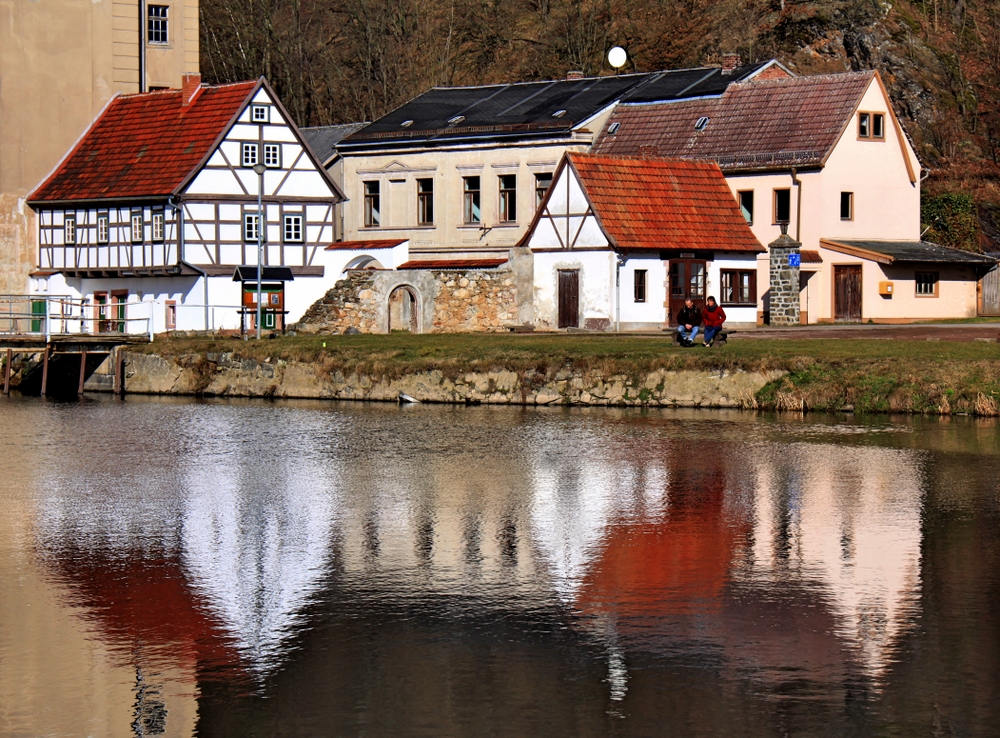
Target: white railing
{"x":48,"y":316}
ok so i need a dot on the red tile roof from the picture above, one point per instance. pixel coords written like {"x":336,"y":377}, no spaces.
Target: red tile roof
{"x":753,"y":126}
{"x":453,"y":264}
{"x":144,"y":144}
{"x":663,"y":204}
{"x":372,"y":245}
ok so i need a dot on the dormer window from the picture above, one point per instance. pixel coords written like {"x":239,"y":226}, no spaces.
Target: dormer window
{"x":260,"y":113}
{"x":701,"y":124}
{"x":871,"y":126}
{"x":613,"y":128}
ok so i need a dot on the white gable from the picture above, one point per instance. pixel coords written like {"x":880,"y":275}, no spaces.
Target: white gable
{"x":566,"y":220}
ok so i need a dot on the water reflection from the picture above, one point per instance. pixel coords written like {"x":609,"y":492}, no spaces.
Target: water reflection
{"x":437,"y":571}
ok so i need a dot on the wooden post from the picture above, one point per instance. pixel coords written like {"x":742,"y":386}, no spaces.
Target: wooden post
{"x":45,"y":371}
{"x":83,"y":372}
{"x":119,"y":364}
{"x":6,"y":373}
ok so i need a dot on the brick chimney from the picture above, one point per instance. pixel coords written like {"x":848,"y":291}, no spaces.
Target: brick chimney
{"x":730,"y":62}
{"x":190,"y":84}
{"x":574,"y":74}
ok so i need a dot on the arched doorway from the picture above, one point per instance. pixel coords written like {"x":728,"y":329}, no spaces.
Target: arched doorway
{"x":403,"y":310}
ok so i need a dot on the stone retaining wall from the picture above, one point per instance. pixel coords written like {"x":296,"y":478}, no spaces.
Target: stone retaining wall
{"x":229,"y":375}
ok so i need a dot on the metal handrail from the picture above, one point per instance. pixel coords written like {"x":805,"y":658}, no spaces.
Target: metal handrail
{"x":60,"y":315}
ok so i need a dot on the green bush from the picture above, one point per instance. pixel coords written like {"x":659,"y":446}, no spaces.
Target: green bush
{"x":951,"y":220}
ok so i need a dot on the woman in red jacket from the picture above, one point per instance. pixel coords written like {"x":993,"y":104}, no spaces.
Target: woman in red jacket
{"x":712,"y":317}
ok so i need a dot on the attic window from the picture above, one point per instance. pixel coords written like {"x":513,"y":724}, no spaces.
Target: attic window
{"x":701,"y":124}
{"x":456,"y":120}
{"x":613,"y":128}
{"x":406,"y":124}
{"x":559,"y":114}
{"x":260,"y":113}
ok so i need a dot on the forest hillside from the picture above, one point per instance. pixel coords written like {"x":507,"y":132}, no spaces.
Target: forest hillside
{"x":337,"y":61}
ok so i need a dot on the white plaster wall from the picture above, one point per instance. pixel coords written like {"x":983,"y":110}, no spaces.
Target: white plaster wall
{"x":652,"y":313}
{"x":597,"y":281}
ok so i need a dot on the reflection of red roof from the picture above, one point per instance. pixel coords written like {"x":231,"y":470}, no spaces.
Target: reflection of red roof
{"x":453,"y":264}
{"x":144,"y":144}
{"x":372,"y":245}
{"x":662,"y":204}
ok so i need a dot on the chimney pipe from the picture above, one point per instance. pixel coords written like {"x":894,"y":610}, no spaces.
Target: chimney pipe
{"x":730,"y":62}
{"x":190,"y":84}
{"x":574,"y":74}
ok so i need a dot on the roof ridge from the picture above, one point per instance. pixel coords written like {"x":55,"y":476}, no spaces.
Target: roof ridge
{"x":177,"y":91}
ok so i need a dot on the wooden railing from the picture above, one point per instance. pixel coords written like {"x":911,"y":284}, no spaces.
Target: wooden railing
{"x":49,"y":316}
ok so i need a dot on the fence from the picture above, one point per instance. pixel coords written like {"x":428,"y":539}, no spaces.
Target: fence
{"x":48,"y":316}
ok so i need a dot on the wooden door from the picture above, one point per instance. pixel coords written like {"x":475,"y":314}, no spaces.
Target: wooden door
{"x":569,"y":298}
{"x":101,"y":323}
{"x":847,"y":293}
{"x":989,"y":292}
{"x":687,"y":281}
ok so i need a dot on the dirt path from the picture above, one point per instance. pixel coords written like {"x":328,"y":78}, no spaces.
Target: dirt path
{"x":955,"y":332}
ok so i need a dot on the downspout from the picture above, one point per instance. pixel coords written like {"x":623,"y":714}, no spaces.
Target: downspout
{"x":179,"y":210}
{"x":798,"y":205}
{"x":142,"y":45}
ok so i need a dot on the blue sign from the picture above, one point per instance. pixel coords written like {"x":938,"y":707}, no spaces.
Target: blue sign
{"x":794,"y":260}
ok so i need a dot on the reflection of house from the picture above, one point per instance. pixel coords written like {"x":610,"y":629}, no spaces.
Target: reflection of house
{"x":156,"y":205}
{"x":826,"y":155}
{"x":459,"y":171}
{"x":629,"y":239}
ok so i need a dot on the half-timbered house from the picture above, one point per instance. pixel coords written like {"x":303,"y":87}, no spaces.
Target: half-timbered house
{"x":156,"y":206}
{"x":621,"y":242}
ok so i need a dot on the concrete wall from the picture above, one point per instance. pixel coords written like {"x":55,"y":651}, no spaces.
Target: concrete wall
{"x":60,"y":62}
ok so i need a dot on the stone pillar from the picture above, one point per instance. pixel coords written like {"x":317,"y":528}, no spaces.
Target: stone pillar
{"x":785,"y":263}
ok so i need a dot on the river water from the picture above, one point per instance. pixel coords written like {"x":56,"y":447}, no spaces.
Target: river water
{"x":307,"y":569}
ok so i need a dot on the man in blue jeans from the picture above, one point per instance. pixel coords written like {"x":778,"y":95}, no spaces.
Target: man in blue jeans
{"x":688,"y":320}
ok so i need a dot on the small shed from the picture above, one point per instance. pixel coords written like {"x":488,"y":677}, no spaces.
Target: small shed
{"x":272,"y":292}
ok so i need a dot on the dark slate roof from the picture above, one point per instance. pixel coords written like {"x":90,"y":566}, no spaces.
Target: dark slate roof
{"x":527,"y":108}
{"x":323,"y":140}
{"x":759,"y":126}
{"x":903,"y":252}
{"x":249,"y":273}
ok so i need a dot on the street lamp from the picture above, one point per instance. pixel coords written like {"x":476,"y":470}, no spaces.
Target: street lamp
{"x":259,"y":171}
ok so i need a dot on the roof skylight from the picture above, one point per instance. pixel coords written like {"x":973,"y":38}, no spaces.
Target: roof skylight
{"x":701,"y":123}
{"x":559,"y":114}
{"x":456,"y":120}
{"x":613,"y":128}
{"x":406,"y":124}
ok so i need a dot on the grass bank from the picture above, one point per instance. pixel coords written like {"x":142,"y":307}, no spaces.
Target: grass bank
{"x":866,"y":375}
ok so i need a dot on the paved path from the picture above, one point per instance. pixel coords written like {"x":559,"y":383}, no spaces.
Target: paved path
{"x":950,"y":332}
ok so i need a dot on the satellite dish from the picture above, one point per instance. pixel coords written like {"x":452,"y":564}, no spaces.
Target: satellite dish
{"x":617,"y":57}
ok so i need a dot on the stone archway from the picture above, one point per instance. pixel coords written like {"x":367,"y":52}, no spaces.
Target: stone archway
{"x":404,"y":309}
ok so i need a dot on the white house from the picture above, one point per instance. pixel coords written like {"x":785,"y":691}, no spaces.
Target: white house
{"x":156,"y":206}
{"x":622,"y":242}
{"x":827,"y":157}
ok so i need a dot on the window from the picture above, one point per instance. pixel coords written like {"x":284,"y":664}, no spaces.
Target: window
{"x":847,"y":206}
{"x":137,"y":227}
{"x":102,"y":229}
{"x":69,"y":230}
{"x":542,"y":184}
{"x":248,"y":154}
{"x":293,"y":229}
{"x":782,"y":206}
{"x":508,"y":198}
{"x":425,"y":201}
{"x":251,"y":224}
{"x":260,"y":113}
{"x":157,"y":227}
{"x":472,"y":212}
{"x":746,"y":204}
{"x":272,"y":155}
{"x":170,"y":317}
{"x":639,"y":285}
{"x":739,"y":287}
{"x":871,"y":125}
{"x":927,"y":284}
{"x":372,"y":206}
{"x":157,"y":17}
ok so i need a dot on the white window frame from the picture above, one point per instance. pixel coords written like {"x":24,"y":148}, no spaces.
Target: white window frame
{"x":251,"y":224}
{"x":293,"y":228}
{"x":103,"y":230}
{"x":137,"y":224}
{"x":69,"y":229}
{"x":249,"y":154}
{"x":272,"y":155}
{"x":260,"y":113}
{"x":157,"y":227}
{"x":158,"y":26}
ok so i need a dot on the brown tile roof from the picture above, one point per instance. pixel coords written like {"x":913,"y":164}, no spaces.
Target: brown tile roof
{"x":663,"y":204}
{"x":453,"y":264}
{"x":755,"y":126}
{"x":372,"y":245}
{"x":810,"y":257}
{"x":144,"y":144}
